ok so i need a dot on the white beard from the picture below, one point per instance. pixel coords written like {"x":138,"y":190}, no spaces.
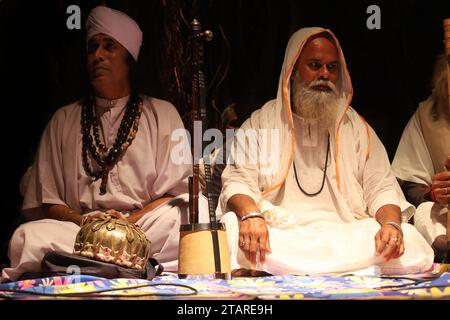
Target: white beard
{"x":316,"y":106}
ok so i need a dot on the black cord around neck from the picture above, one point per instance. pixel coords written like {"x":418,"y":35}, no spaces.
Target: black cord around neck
{"x":324,"y":174}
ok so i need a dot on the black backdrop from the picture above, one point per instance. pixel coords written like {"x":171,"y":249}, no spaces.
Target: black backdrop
{"x":42,"y":62}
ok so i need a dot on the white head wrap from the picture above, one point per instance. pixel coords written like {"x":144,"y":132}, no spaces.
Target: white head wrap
{"x":115,"y":24}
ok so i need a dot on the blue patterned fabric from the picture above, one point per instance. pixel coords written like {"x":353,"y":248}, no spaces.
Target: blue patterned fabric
{"x":168,"y":286}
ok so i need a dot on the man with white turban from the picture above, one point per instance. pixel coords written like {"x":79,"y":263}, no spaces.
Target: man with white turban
{"x":106,"y":154}
{"x":422,"y":161}
{"x":320,"y":197}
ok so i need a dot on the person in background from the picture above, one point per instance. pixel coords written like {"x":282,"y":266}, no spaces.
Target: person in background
{"x":422,"y":161}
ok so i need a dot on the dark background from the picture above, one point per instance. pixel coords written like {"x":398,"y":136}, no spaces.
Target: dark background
{"x":42,"y":63}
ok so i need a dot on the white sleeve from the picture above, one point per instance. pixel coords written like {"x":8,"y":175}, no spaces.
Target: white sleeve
{"x":46,"y":182}
{"x":412,"y":161}
{"x":172,"y":178}
{"x":241,"y":175}
{"x":379,"y":183}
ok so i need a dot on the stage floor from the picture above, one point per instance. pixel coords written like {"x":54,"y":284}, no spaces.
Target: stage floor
{"x":432,"y":285}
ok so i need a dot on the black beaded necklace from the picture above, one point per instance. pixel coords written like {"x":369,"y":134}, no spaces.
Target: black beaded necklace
{"x":324,"y":174}
{"x":104,"y":157}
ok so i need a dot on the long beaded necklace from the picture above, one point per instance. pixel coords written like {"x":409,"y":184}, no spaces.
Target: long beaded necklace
{"x":324,"y":174}
{"x":104,"y":157}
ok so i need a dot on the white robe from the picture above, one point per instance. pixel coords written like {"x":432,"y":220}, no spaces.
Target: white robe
{"x":144,"y":174}
{"x":413,"y":162}
{"x":335,"y":233}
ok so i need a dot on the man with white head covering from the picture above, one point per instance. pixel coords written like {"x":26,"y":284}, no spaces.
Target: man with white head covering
{"x":422,"y":161}
{"x":322,"y":199}
{"x":106,"y":154}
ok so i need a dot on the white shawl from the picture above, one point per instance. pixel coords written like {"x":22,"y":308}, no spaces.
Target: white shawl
{"x":360,"y":190}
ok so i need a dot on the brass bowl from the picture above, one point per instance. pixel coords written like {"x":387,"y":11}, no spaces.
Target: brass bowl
{"x":113,"y":240}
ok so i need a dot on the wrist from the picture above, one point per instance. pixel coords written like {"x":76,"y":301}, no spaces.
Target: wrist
{"x":433,"y":196}
{"x":251,"y":215}
{"x":394,"y":224}
{"x":244,"y":210}
{"x":70,"y":215}
{"x":131,"y":218}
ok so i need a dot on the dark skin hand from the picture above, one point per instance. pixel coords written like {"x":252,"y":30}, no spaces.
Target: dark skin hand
{"x":110,"y":212}
{"x":253,"y":232}
{"x":64,"y":213}
{"x":389,"y":240}
{"x":440,"y":185}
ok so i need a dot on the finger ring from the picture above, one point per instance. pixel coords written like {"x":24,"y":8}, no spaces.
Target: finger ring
{"x":243,"y":244}
{"x":393,"y":239}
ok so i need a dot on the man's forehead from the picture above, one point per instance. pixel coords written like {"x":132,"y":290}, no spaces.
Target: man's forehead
{"x":102,"y":37}
{"x":320,"y":45}
{"x":322,"y":35}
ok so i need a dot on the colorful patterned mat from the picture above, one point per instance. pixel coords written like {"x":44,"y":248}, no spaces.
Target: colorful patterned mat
{"x":432,"y":285}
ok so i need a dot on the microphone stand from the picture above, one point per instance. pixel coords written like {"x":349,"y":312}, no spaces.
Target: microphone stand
{"x":203,"y":250}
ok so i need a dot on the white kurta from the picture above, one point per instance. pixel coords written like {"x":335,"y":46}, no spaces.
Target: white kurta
{"x":335,"y":231}
{"x":144,"y":174}
{"x":413,"y":162}
{"x":317,"y":236}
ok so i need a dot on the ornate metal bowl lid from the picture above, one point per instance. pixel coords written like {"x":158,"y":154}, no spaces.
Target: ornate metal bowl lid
{"x":113,"y":240}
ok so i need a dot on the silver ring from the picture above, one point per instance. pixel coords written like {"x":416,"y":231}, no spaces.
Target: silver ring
{"x":243,"y":244}
{"x":393,"y":239}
